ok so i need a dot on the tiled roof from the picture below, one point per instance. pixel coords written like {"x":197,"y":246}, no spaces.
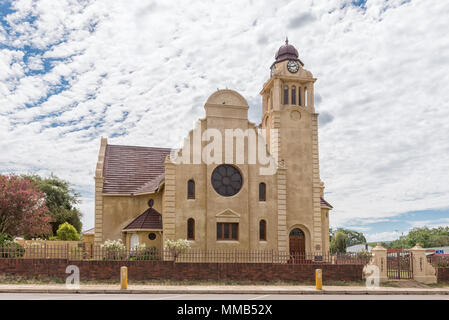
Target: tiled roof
{"x":324,"y":203}
{"x":150,"y":219}
{"x":130,"y":169}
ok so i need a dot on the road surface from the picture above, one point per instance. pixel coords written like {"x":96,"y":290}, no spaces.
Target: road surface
{"x":111,"y":296}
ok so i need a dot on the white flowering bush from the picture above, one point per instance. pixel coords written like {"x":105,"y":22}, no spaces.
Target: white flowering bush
{"x":139,"y":247}
{"x":113,"y":245}
{"x":177,"y":247}
{"x":114,"y":249}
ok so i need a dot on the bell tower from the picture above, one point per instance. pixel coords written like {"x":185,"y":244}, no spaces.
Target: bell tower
{"x":292,"y":136}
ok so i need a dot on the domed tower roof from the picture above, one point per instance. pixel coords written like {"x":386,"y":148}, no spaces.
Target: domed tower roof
{"x":287,"y":52}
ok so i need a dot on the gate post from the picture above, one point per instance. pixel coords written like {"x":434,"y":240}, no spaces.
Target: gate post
{"x":379,"y":259}
{"x":423,"y":271}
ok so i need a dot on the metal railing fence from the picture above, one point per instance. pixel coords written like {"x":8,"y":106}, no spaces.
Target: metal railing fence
{"x":98,"y":252}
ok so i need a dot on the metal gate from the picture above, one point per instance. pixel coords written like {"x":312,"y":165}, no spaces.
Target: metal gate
{"x":399,"y":265}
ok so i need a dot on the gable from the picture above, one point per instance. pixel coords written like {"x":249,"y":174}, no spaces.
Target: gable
{"x":227,"y":215}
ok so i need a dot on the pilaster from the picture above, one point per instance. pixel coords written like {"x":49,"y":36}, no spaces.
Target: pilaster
{"x":316,"y":189}
{"x":99,"y":181}
{"x":282,"y":209}
{"x":169,"y":203}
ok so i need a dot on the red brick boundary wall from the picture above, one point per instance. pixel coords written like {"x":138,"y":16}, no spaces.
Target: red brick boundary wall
{"x":442,"y":274}
{"x":166,"y":270}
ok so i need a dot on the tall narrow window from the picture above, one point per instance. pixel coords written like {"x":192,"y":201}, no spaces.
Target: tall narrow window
{"x":263,"y":230}
{"x":299,"y":96}
{"x":262,"y":191}
{"x":294,"y":95}
{"x":306,"y":98}
{"x":191,"y":189}
{"x":190,"y":229}
{"x":286,"y":95}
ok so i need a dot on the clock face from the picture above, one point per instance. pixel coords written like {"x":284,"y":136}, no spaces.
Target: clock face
{"x":293,"y":66}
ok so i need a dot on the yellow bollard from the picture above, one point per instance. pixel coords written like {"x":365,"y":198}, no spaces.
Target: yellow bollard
{"x":124,"y":278}
{"x":319,"y":279}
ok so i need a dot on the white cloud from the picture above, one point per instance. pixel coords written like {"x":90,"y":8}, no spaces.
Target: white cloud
{"x":144,"y":70}
{"x":443,"y":222}
{"x":383,"y":236}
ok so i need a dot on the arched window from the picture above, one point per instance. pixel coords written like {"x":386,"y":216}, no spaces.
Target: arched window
{"x":294,"y":95}
{"x":263,"y":230}
{"x":299,"y":96}
{"x":190,"y":229}
{"x":191,"y":189}
{"x":286,"y":95}
{"x":262,"y":191}
{"x":306,"y":98}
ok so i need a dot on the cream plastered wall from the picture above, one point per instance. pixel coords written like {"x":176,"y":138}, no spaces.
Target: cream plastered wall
{"x":208,"y":208}
{"x":119,"y":211}
{"x":297,"y":145}
{"x":144,"y":239}
{"x":293,"y":192}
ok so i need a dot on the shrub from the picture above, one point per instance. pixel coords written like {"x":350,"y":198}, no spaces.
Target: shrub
{"x":143,"y":253}
{"x":177,"y":247}
{"x":4,"y":237}
{"x":114,"y":250}
{"x":11,"y":249}
{"x":67,"y":232}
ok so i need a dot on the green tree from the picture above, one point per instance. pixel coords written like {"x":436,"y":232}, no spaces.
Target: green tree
{"x":338,"y":243}
{"x":22,"y":208}
{"x":67,"y":232}
{"x":60,"y":200}
{"x":352,"y":237}
{"x":426,"y":237}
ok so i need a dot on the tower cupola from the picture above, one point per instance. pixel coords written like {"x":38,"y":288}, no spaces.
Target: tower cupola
{"x":287,"y":52}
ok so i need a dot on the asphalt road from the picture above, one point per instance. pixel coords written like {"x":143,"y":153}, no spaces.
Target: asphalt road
{"x":68,"y":296}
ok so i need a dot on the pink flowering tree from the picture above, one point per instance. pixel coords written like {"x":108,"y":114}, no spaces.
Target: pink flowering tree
{"x":22,"y":208}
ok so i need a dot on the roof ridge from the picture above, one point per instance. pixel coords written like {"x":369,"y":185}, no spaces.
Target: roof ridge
{"x":132,"y":146}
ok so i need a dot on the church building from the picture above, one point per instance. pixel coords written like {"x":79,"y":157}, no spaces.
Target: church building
{"x":262,"y":194}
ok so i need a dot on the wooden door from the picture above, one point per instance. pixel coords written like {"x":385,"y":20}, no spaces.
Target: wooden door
{"x":297,"y":243}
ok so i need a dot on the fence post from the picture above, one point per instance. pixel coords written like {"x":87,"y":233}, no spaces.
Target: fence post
{"x":379,"y":259}
{"x":423,"y":271}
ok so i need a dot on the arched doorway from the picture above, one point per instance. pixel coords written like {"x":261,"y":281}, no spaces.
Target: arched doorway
{"x":297,"y":241}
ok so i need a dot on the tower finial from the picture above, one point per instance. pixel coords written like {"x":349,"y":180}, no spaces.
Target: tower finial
{"x":286,"y":40}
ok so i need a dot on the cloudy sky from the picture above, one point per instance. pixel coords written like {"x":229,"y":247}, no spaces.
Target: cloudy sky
{"x":139,"y":73}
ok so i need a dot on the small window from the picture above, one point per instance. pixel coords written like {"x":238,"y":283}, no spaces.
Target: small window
{"x":227,"y":231}
{"x":306,"y":98}
{"x":191,"y":189}
{"x":294,"y":95}
{"x":262,"y":191}
{"x":190,"y":229}
{"x":262,"y":230}
{"x":299,"y":96}
{"x":152,"y":236}
{"x":286,"y":95}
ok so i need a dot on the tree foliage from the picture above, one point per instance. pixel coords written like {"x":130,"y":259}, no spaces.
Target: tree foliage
{"x":23,"y":211}
{"x":352,"y":237}
{"x":60,"y":200}
{"x":338,"y":243}
{"x":67,"y":232}
{"x":427,"y":238}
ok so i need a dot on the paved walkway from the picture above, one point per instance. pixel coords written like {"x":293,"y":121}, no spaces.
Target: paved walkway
{"x":215,"y":289}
